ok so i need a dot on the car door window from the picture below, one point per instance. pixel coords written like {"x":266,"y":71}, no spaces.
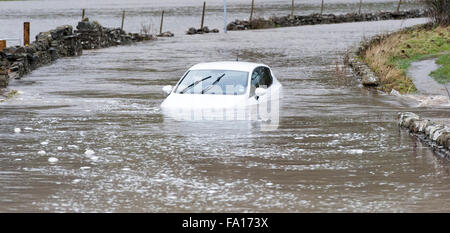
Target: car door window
{"x":261,"y":77}
{"x":256,"y":77}
{"x":255,"y":81}
{"x":266,"y":79}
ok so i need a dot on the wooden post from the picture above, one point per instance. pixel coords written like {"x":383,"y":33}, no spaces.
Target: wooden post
{"x":2,"y":44}
{"x":82,"y":14}
{"x":321,"y":9}
{"x":251,"y":11}
{"x":203,"y":15}
{"x":360,"y":5}
{"x":225,"y":16}
{"x":26,"y":33}
{"x":398,"y":6}
{"x":162,"y":19}
{"x":123,"y":19}
{"x":292,"y":9}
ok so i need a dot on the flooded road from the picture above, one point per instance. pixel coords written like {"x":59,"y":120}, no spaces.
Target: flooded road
{"x":425,"y":84}
{"x":337,"y":147}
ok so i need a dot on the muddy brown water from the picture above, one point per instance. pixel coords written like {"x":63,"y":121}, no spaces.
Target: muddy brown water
{"x":337,"y":147}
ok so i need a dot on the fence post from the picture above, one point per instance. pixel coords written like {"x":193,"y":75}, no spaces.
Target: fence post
{"x":292,"y":9}
{"x":123,"y":19}
{"x":225,"y":16}
{"x":203,"y":15}
{"x":398,"y":6}
{"x":26,"y":33}
{"x":82,"y":14}
{"x":2,"y":44}
{"x":321,"y":8}
{"x":162,"y":19}
{"x":360,"y":5}
{"x":251,"y":11}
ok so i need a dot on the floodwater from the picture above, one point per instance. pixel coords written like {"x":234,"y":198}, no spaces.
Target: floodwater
{"x":430,"y":92}
{"x":425,"y":84}
{"x":337,"y":147}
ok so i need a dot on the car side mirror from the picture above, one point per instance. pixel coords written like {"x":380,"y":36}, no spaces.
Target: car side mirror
{"x":260,"y":91}
{"x":167,"y":89}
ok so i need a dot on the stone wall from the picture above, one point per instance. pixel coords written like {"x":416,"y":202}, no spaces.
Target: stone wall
{"x":299,"y":20}
{"x":435,"y":135}
{"x":205,"y":29}
{"x":361,"y":70}
{"x":94,"y":36}
{"x":19,"y":60}
{"x":63,"y":41}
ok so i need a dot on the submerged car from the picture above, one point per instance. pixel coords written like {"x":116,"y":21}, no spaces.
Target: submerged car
{"x":223,"y":85}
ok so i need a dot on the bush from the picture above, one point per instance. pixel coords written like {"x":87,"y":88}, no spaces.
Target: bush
{"x":439,"y":11}
{"x":147,"y":28}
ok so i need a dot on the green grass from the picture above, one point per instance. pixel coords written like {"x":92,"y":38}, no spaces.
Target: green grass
{"x":391,"y":58}
{"x":419,"y":45}
{"x":442,"y":75}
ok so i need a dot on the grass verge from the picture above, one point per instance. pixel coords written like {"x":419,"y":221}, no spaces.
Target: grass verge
{"x":442,"y":75}
{"x":391,"y":57}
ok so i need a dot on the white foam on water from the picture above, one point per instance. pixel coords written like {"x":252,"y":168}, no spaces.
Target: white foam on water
{"x":355,"y":151}
{"x":76,"y":181}
{"x":74,"y":146}
{"x":41,"y":152}
{"x":52,"y":160}
{"x":17,"y":130}
{"x":430,"y":100}
{"x":85,"y":168}
{"x":44,"y":143}
{"x":59,"y":148}
{"x":89,"y":152}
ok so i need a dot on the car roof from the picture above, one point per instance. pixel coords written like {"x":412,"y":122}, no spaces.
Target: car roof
{"x":227,"y":65}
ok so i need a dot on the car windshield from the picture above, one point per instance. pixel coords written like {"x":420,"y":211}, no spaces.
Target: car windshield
{"x":217,"y":82}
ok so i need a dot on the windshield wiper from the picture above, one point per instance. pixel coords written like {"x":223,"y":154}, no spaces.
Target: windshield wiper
{"x":194,"y":83}
{"x":214,"y":83}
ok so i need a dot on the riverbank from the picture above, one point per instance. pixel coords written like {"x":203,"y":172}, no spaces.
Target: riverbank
{"x":384,"y":61}
{"x":313,"y":19}
{"x":17,"y":61}
{"x":386,"y":58}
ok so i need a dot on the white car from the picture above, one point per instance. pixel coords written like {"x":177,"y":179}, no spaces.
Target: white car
{"x":223,"y":85}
